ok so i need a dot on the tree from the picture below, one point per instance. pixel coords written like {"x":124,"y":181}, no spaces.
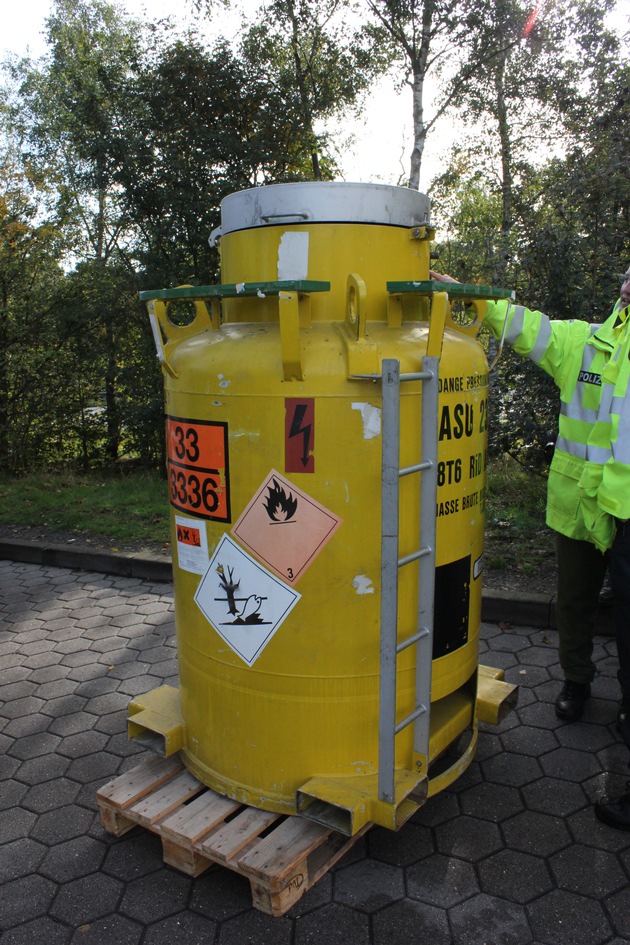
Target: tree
{"x":570,"y":235}
{"x":439,"y":38}
{"x":202,"y":127}
{"x":318,"y":59}
{"x":69,"y":110}
{"x":30,"y":292}
{"x":528,"y":63}
{"x":415,"y":33}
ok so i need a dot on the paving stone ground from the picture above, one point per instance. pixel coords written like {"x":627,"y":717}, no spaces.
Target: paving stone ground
{"x":510,"y":855}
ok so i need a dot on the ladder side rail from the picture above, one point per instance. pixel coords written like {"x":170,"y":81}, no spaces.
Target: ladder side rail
{"x":390,"y":502}
{"x":426,"y":572}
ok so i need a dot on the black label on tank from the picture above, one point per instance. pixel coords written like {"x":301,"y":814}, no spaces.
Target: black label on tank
{"x":452,"y":602}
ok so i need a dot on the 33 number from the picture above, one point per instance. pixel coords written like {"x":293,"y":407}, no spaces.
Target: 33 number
{"x":186,"y":443}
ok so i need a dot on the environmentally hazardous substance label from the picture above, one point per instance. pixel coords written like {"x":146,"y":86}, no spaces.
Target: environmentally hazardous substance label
{"x":242,"y":601}
{"x":284,"y":527}
{"x":197,"y":454}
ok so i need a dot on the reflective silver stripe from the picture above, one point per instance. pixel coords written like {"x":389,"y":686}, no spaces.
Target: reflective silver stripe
{"x":575,"y":411}
{"x":515,"y":330}
{"x":571,"y":447}
{"x":542,"y":341}
{"x":605,"y":402}
{"x":621,"y":451}
{"x":588,"y":354}
{"x":598,"y":454}
{"x":621,"y":406}
{"x":621,"y":446}
{"x":594,"y":454}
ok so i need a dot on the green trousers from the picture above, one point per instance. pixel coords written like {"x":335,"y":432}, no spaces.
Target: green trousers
{"x":581,"y":570}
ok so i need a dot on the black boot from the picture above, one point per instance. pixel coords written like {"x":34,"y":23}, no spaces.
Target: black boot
{"x":615,"y":812}
{"x":570,"y":703}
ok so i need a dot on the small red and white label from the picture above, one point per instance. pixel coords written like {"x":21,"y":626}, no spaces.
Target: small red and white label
{"x":192,"y":544}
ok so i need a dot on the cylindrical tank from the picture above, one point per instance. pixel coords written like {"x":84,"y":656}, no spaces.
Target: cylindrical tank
{"x":274,"y":452}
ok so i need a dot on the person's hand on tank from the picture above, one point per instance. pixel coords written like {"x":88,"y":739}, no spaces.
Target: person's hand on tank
{"x":440,"y":277}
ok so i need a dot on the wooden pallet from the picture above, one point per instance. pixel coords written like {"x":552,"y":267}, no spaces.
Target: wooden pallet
{"x":282,"y":857}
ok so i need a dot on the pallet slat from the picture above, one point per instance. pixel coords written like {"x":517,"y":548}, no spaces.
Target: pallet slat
{"x":192,"y":822}
{"x":234,"y":836}
{"x":158,"y":805}
{"x":277,"y":853}
{"x":280,"y":856}
{"x":135,"y":784}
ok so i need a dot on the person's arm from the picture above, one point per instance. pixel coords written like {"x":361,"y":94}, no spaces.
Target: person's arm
{"x":530,"y":333}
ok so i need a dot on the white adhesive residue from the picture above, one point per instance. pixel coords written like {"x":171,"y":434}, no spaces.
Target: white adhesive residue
{"x":293,"y":256}
{"x":240,"y":286}
{"x":363,"y":584}
{"x":371,"y":417}
{"x":478,"y":567}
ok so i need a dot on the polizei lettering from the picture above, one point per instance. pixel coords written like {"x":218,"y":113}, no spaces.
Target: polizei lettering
{"x":587,"y":377}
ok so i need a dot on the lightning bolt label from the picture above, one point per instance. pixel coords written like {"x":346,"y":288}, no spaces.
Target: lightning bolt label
{"x":299,"y":435}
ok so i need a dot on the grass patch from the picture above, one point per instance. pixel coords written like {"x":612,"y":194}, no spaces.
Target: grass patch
{"x":516,"y":534}
{"x":125,"y":508}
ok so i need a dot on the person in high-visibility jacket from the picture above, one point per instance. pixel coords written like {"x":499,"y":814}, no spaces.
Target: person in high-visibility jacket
{"x":588,"y":492}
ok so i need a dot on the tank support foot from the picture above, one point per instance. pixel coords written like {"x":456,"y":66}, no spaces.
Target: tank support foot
{"x":495,"y":697}
{"x":155,"y":721}
{"x":348,"y":804}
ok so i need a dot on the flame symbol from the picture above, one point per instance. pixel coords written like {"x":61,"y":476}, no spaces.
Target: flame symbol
{"x":280,"y":506}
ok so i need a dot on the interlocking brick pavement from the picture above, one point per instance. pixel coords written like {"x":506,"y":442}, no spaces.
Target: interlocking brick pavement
{"x":509,"y":855}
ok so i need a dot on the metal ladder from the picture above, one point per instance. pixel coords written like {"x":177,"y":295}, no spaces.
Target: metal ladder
{"x":422,"y":638}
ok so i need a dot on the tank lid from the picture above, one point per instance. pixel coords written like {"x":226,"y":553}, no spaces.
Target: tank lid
{"x":323,"y":202}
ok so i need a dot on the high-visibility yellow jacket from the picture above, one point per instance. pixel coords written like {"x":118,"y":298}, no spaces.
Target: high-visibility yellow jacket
{"x":589,"y":478}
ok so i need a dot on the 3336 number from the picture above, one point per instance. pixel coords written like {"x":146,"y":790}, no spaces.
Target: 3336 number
{"x":194,"y":490}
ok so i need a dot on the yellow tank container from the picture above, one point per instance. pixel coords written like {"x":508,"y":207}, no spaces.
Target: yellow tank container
{"x":273,"y":424}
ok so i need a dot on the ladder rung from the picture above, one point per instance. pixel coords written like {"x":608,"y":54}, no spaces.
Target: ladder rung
{"x":422,"y":553}
{"x":420,"y":635}
{"x":417,"y":376}
{"x":407,"y":470}
{"x":419,"y":710}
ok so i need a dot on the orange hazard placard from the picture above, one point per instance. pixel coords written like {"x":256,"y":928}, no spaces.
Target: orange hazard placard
{"x":198,"y":475}
{"x":284,"y":527}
